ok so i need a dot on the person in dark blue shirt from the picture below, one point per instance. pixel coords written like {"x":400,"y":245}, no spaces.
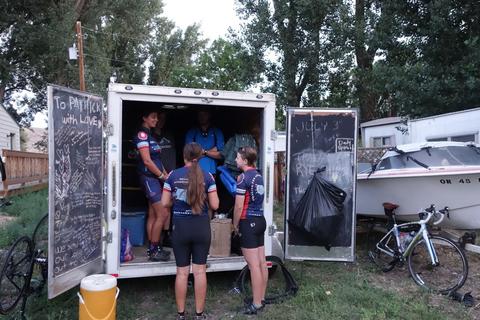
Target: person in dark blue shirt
{"x":209,"y":138}
{"x":152,"y":174}
{"x":192,"y":192}
{"x":249,"y":223}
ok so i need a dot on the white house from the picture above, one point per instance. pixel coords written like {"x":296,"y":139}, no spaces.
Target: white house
{"x":9,"y":131}
{"x":455,"y":126}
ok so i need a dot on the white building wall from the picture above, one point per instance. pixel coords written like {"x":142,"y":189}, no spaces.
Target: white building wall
{"x":7,"y":127}
{"x":449,"y":125}
{"x":387,"y":130}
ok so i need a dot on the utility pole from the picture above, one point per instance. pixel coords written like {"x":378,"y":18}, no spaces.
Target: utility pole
{"x":81,"y":70}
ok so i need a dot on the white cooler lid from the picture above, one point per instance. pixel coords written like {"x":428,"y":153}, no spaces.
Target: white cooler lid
{"x":98,"y":282}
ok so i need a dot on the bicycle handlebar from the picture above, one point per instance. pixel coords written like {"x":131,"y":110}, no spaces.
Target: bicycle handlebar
{"x":431,"y":211}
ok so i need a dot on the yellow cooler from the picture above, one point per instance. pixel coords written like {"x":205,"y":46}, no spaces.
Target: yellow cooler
{"x":98,"y":297}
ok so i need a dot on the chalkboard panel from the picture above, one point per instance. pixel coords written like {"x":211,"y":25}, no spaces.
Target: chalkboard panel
{"x":318,"y":138}
{"x":76,"y":185}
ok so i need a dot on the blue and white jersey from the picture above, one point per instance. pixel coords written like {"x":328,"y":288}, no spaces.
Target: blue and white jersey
{"x":177,"y":183}
{"x":250,"y":185}
{"x":144,"y":140}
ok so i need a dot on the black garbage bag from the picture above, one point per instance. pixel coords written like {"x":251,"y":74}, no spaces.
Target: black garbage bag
{"x":319,"y":212}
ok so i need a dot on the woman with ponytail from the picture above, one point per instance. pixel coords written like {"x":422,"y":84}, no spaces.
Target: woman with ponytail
{"x":192,"y":192}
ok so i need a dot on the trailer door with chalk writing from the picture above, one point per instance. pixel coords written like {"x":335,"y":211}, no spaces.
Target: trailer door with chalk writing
{"x":76,"y":184}
{"x":320,"y":184}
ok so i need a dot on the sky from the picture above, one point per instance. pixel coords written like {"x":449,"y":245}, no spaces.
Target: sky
{"x":214,"y":17}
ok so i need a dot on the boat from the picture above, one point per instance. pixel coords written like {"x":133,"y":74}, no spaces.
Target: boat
{"x":414,"y":176}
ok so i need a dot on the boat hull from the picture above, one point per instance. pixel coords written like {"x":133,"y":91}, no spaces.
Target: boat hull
{"x":459,"y":191}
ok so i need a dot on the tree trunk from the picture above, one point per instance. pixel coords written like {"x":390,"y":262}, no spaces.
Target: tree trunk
{"x":364,"y":58}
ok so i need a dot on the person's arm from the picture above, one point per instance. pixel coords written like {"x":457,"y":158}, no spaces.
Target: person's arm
{"x":237,"y":211}
{"x":239,"y":201}
{"x":215,"y":151}
{"x":213,"y":200}
{"x":148,"y":162}
{"x":166,"y":200}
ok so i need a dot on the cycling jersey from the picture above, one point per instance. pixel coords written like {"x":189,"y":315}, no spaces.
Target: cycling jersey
{"x":177,"y":183}
{"x":250,"y":185}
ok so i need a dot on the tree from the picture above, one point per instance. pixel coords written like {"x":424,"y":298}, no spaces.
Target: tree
{"x":298,"y":33}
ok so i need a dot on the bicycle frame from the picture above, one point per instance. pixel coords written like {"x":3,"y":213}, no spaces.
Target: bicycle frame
{"x":420,"y":234}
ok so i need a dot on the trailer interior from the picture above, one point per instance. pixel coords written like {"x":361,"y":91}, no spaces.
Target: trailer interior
{"x":180,"y":118}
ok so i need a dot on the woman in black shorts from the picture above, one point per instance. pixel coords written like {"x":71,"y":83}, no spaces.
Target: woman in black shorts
{"x":193,"y":192}
{"x":250,"y":224}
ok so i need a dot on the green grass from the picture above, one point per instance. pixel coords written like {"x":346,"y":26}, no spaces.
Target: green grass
{"x":328,"y":290}
{"x":28,"y":209}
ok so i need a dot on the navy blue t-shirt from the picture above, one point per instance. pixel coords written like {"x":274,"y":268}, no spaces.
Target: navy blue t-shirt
{"x":177,"y":183}
{"x":144,"y":140}
{"x":250,"y":185}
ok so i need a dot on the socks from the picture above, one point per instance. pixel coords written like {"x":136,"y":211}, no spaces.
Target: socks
{"x":198,"y":314}
{"x":182,"y":314}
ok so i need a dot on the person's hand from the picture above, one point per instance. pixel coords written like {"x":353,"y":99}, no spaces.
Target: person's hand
{"x":204,"y":153}
{"x":235,"y":229}
{"x":162,"y":176}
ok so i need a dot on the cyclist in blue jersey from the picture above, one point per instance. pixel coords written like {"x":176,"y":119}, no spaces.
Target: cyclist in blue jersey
{"x":250,"y":224}
{"x":152,"y":174}
{"x":192,"y":192}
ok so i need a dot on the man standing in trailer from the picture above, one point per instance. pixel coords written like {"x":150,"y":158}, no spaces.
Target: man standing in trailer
{"x":209,"y":138}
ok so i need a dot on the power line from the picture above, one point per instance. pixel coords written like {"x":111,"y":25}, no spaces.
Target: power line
{"x":129,"y":62}
{"x":110,"y":34}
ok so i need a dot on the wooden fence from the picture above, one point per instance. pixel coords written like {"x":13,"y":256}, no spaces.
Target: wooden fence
{"x":23,"y":170}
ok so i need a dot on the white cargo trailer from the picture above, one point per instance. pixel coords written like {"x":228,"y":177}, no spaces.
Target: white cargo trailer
{"x":89,"y":170}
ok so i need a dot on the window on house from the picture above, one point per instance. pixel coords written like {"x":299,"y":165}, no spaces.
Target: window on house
{"x":438,"y":139}
{"x":462,"y":138}
{"x":379,"y":142}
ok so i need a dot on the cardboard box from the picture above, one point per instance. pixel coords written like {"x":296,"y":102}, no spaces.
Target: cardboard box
{"x":221,"y":237}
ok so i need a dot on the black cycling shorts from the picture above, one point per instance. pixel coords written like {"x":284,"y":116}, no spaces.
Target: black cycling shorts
{"x":252,"y":232}
{"x":191,"y":239}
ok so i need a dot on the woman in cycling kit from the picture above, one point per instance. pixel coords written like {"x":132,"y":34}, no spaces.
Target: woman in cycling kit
{"x":152,"y":174}
{"x":193,"y":191}
{"x":250,"y":224}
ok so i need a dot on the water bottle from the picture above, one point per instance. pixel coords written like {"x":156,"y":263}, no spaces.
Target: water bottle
{"x":403,"y":240}
{"x":408,"y":239}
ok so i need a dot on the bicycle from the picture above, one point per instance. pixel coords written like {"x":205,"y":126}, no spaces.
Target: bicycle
{"x":434,"y":262}
{"x":24,"y":271}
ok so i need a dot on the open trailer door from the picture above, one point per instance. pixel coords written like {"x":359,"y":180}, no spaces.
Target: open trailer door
{"x":320,"y":184}
{"x":76,"y":183}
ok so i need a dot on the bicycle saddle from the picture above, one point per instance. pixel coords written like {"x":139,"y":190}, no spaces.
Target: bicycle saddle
{"x":389,"y":208}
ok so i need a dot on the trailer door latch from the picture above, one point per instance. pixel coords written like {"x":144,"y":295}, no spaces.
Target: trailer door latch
{"x":108,"y":237}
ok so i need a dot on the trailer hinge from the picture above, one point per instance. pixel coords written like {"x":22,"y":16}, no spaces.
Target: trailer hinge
{"x":272,"y":229}
{"x":108,"y":237}
{"x":109,"y":130}
{"x":273,"y":135}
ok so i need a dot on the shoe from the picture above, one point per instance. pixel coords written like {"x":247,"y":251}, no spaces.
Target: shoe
{"x":249,"y":300}
{"x":251,"y":309}
{"x":203,"y":316}
{"x":180,"y":317}
{"x":160,"y":255}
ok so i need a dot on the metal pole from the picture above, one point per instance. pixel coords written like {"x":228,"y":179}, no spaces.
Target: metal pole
{"x":81,"y":70}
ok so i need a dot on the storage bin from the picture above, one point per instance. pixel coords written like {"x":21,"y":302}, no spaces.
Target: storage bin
{"x":135,"y":223}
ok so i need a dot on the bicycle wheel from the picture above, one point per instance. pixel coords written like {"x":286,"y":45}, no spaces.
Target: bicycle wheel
{"x":15,"y":276}
{"x":40,"y":245}
{"x":448,"y":275}
{"x":383,"y":260}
